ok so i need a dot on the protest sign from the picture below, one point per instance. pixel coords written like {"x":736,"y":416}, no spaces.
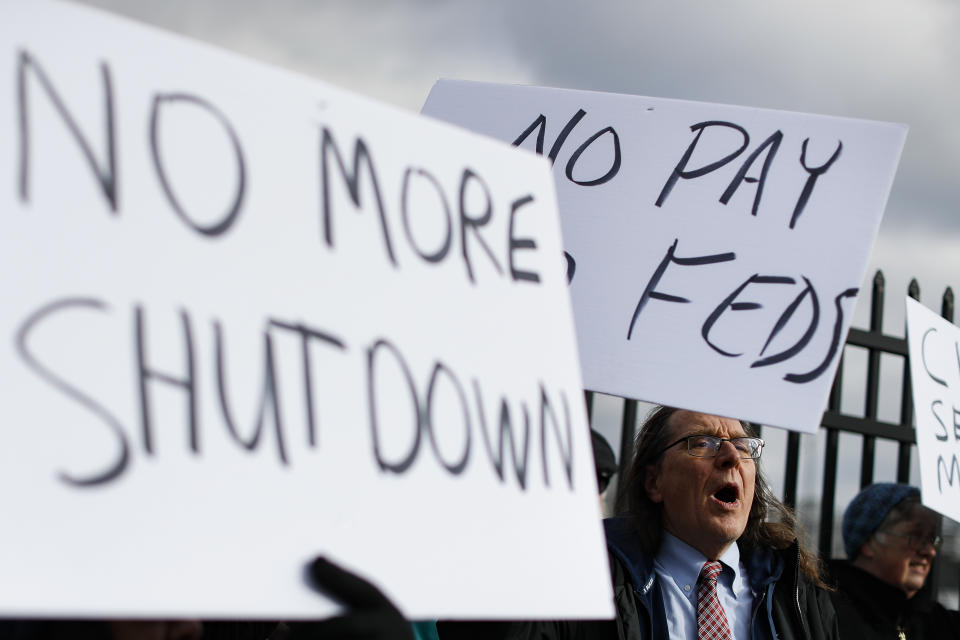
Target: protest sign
{"x":249,"y":318}
{"x":714,"y":252}
{"x":934,"y":345}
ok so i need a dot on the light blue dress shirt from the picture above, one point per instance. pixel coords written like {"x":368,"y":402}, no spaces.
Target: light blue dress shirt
{"x":678,"y":565}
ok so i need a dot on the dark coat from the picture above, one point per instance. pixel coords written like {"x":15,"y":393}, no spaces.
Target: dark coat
{"x":787,"y":606}
{"x":868,"y":607}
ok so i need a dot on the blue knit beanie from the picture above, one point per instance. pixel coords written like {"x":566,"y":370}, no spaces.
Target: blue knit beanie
{"x":867,"y":511}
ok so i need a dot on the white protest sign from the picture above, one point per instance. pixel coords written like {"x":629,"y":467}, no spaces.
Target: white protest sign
{"x":715,"y":251}
{"x":934,"y":345}
{"x":249,"y":318}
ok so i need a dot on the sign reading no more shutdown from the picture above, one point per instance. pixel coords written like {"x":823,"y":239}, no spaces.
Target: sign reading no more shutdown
{"x":714,"y":252}
{"x":250,"y":318}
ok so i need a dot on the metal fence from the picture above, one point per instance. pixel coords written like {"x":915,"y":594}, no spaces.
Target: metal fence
{"x":868,"y":426}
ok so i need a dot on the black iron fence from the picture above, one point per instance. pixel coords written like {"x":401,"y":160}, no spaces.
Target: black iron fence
{"x":877,"y":345}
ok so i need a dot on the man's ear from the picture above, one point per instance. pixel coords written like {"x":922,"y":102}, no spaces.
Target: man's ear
{"x":651,"y":482}
{"x":867,"y":550}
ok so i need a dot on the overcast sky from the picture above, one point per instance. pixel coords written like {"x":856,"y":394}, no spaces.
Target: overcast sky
{"x":877,"y":59}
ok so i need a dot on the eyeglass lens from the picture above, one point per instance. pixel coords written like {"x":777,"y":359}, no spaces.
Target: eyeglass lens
{"x":919,"y":542}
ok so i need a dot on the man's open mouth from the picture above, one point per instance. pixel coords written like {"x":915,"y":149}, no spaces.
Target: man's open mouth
{"x":728,"y":494}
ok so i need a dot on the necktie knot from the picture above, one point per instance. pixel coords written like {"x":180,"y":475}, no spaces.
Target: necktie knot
{"x":711,"y":570}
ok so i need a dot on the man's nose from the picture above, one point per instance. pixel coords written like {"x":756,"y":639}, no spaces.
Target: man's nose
{"x":728,"y":456}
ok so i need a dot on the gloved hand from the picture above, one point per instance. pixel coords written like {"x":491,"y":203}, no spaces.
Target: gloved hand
{"x":369,"y":616}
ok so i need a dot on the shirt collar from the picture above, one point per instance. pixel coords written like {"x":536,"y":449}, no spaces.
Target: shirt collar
{"x":683,"y":563}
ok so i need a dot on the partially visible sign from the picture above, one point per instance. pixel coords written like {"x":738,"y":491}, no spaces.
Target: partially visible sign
{"x":715,"y":252}
{"x":249,"y":318}
{"x":934,"y":345}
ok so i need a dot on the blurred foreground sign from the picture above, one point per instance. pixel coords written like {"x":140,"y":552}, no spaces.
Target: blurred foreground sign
{"x":715,"y":251}
{"x":250,"y":318}
{"x":934,"y":345}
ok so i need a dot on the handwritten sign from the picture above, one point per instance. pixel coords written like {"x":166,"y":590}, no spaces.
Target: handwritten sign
{"x":714,"y":252}
{"x":249,"y":318}
{"x":934,"y":345}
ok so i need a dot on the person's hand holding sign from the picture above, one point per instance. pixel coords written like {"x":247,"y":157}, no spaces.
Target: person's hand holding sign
{"x":369,"y":613}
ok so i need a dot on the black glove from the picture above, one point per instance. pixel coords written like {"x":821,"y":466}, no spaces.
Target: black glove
{"x":370,"y":615}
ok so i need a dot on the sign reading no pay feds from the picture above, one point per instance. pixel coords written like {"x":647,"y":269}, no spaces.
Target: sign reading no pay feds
{"x":714,"y":252}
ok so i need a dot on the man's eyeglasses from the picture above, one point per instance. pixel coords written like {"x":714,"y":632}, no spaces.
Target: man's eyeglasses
{"x":916,"y":541}
{"x":702,"y":446}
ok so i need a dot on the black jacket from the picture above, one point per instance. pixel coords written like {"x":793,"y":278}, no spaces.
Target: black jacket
{"x":786,"y":605}
{"x":868,"y":607}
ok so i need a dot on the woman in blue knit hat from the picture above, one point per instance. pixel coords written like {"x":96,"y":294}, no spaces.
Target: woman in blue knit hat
{"x":891,"y":540}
